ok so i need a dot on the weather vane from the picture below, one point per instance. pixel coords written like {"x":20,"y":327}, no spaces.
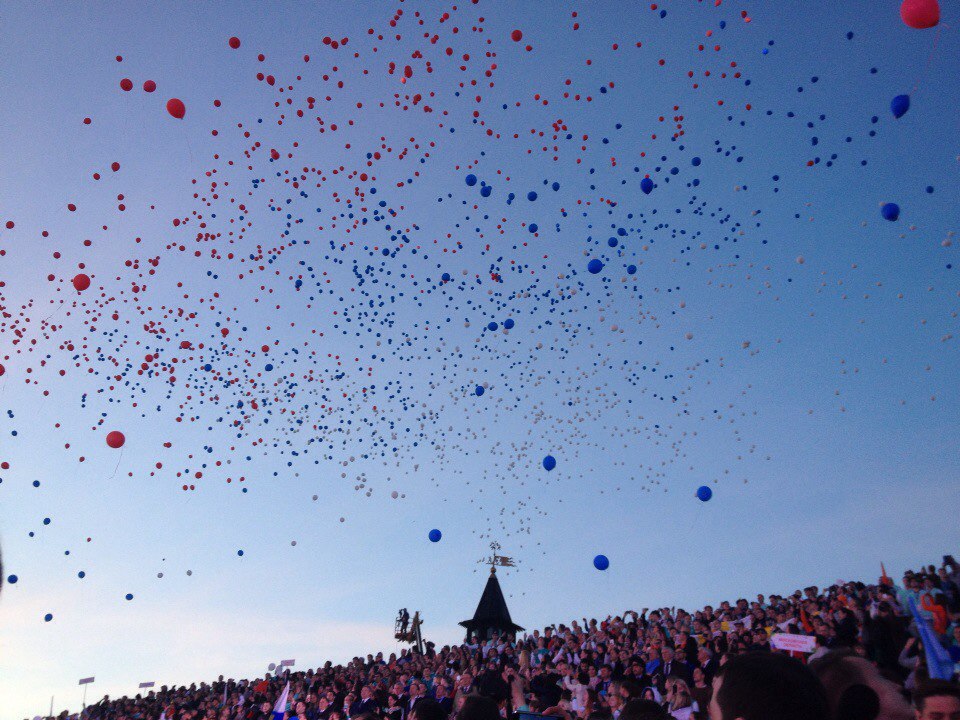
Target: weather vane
{"x":497,"y":559}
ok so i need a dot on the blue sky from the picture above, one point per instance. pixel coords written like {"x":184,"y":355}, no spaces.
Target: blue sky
{"x":816,"y":398}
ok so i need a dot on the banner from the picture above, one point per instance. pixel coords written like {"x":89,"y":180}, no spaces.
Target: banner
{"x":147,"y":684}
{"x":794,"y":643}
{"x":85,"y":681}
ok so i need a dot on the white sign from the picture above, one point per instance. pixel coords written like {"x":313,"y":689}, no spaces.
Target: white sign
{"x":795,"y":643}
{"x":85,"y":681}
{"x":147,"y":684}
{"x":287,"y":663}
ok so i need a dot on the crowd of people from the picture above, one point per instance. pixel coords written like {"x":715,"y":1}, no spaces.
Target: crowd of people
{"x":719,"y":662}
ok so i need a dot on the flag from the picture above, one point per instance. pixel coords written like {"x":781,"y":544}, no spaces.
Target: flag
{"x":939,"y":664}
{"x":281,"y":707}
{"x":224,"y":701}
{"x":884,"y":578}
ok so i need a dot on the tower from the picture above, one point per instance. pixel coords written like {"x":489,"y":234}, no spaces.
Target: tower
{"x":492,"y":613}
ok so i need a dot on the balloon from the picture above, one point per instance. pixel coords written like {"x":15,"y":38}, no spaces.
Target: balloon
{"x":899,"y":105}
{"x":704,"y":493}
{"x":479,"y":390}
{"x":234,"y":42}
{"x":890,"y":211}
{"x":48,"y":617}
{"x":149,"y":86}
{"x":115,"y":439}
{"x":920,"y":14}
{"x":12,"y":579}
{"x":176,"y":108}
{"x":601,"y":562}
{"x":129,"y":596}
{"x":594,"y":266}
{"x":126,"y":84}
{"x":435,"y":535}
{"x":471,"y":179}
{"x":516,"y":36}
{"x":646,"y":185}
{"x":81,"y":282}
{"x":549,"y":463}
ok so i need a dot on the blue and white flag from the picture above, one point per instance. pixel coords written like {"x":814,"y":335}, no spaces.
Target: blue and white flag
{"x":939,"y":664}
{"x":281,"y":707}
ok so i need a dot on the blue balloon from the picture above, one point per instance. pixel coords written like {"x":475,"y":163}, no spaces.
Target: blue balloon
{"x":890,"y":211}
{"x":508,"y":323}
{"x":549,"y":463}
{"x":445,"y":277}
{"x":695,"y":162}
{"x":704,"y":493}
{"x":48,"y":617}
{"x":531,"y":196}
{"x":435,"y":535}
{"x":646,"y":185}
{"x":240,"y":553}
{"x":492,"y":326}
{"x":631,"y":269}
{"x":486,"y":190}
{"x":601,"y":562}
{"x":594,"y":266}
{"x":129,"y":596}
{"x":479,"y":390}
{"x":12,"y":579}
{"x":471,"y":179}
{"x":899,"y":105}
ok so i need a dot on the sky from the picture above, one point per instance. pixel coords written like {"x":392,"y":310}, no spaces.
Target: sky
{"x":757,"y":326}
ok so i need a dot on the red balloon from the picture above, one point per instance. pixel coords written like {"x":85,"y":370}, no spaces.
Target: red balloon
{"x":149,"y":86}
{"x":115,"y":439}
{"x":81,"y":282}
{"x":516,"y":36}
{"x":176,"y":108}
{"x":126,"y":85}
{"x":920,"y":14}
{"x":2,"y":370}
{"x":234,"y":42}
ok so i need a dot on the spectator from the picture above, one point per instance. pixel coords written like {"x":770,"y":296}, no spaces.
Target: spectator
{"x":854,"y":685}
{"x":937,"y":700}
{"x":766,"y":686}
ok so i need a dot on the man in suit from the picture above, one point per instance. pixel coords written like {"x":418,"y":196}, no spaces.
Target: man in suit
{"x":669,"y":666}
{"x":366,"y":703}
{"x":417,"y":692}
{"x":707,"y":662}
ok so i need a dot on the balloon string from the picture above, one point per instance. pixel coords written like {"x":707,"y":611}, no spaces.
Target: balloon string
{"x":118,"y":465}
{"x":926,"y":67}
{"x":59,"y":308}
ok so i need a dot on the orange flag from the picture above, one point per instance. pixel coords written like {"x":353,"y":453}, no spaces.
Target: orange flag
{"x":884,"y":578}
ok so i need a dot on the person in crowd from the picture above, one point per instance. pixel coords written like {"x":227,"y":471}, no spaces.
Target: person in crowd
{"x":767,"y":686}
{"x":855,"y":688}
{"x":937,"y":700}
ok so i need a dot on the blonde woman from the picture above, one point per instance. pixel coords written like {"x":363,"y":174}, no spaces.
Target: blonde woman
{"x":680,"y":702}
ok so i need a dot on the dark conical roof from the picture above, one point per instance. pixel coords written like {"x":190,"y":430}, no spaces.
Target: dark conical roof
{"x":492,"y":613}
